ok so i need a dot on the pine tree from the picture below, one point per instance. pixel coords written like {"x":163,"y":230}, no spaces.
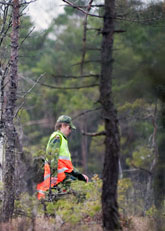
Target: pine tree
{"x":112,"y":147}
{"x":9,"y":129}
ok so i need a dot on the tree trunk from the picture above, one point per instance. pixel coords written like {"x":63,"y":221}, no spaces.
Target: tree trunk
{"x":1,"y":149}
{"x":2,"y":84}
{"x":1,"y":134}
{"x":159,"y":173}
{"x":9,"y":129}
{"x":112,"y":142}
{"x":84,"y":147}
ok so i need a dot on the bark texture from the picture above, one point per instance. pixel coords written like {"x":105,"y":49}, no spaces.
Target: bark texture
{"x":112,"y":147}
{"x":10,"y":134}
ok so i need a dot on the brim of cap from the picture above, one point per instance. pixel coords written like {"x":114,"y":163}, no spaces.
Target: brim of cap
{"x":72,"y":126}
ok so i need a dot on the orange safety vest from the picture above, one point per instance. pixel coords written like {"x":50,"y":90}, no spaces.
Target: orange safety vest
{"x":64,"y":165}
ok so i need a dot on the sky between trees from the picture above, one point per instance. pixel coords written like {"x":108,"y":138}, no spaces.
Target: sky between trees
{"x":43,"y":11}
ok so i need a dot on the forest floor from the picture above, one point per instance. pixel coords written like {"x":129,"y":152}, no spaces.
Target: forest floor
{"x":87,"y":224}
{"x":76,"y":212}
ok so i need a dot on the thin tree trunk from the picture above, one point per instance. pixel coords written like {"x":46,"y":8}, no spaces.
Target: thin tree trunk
{"x":1,"y":150}
{"x":2,"y":83}
{"x":159,"y":172}
{"x":112,"y":147}
{"x":1,"y":135}
{"x":84,"y":147}
{"x":10,"y":136}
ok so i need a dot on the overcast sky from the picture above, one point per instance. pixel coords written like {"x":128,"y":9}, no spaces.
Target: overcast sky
{"x":42,"y":12}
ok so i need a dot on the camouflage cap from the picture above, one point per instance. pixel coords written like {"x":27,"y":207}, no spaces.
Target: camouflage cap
{"x":66,"y":119}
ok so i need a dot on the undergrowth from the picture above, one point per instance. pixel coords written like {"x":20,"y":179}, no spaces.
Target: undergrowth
{"x":78,"y":210}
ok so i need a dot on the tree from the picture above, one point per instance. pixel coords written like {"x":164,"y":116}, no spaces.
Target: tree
{"x":9,"y":128}
{"x":147,"y":76}
{"x":112,"y":141}
{"x":5,"y":25}
{"x":110,"y":174}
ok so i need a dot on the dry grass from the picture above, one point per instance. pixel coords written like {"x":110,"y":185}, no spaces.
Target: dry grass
{"x":140,"y":224}
{"x":88,"y":224}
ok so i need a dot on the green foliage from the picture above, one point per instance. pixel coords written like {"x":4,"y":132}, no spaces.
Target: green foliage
{"x":85,"y":201}
{"x":124,"y":185}
{"x":138,"y":79}
{"x":23,"y":116}
{"x":151,"y":212}
{"x":142,"y":157}
{"x":97,"y":150}
{"x":25,"y":205}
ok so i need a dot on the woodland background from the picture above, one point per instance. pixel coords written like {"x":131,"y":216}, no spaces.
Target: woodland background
{"x":58,"y":73}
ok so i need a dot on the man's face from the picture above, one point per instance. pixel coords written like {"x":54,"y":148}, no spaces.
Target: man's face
{"x":66,"y":129}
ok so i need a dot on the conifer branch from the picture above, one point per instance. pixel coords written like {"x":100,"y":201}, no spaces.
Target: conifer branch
{"x":68,"y":88}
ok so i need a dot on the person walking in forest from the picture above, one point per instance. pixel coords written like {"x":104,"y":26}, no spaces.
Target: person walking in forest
{"x":58,"y":159}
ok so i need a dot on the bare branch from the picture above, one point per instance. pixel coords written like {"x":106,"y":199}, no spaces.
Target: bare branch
{"x":103,"y":133}
{"x":97,"y":29}
{"x":142,"y":169}
{"x":85,"y":112}
{"x":87,"y":61}
{"x":119,"y":31}
{"x":6,"y":3}
{"x":97,"y":5}
{"x":139,"y":21}
{"x":83,"y":11}
{"x":93,"y":49}
{"x":61,"y":88}
{"x":4,"y":30}
{"x":76,"y":77}
{"x":26,"y":37}
{"x":27,"y":3}
{"x":24,"y":96}
{"x":68,"y":88}
{"x":84,"y":38}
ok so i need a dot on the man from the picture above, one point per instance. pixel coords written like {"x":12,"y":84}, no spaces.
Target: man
{"x":59,"y":157}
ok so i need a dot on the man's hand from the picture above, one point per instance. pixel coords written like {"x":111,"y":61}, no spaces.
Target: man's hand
{"x":86,"y":178}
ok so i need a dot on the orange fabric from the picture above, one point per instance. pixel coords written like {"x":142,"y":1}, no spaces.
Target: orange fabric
{"x":60,"y":177}
{"x":63,"y":164}
{"x":44,"y":186}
